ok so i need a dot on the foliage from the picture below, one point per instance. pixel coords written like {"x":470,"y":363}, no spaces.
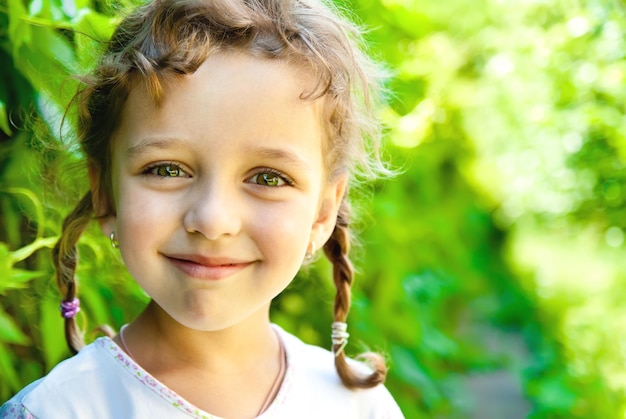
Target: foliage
{"x":507,"y":119}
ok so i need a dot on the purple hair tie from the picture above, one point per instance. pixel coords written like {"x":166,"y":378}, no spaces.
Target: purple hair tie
{"x":69,"y":309}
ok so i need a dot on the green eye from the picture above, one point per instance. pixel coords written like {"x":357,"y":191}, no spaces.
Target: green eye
{"x":168,"y":170}
{"x":269,"y":179}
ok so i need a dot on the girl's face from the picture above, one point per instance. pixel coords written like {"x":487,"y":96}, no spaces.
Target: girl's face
{"x":219,"y":191}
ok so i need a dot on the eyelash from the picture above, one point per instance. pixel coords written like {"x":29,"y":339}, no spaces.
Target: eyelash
{"x":283,"y":176}
{"x":149,"y":169}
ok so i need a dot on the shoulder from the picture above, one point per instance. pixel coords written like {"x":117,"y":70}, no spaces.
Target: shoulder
{"x":14,"y":409}
{"x":315,"y":383}
{"x":70,"y":388}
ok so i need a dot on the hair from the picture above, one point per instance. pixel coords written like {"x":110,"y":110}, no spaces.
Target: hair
{"x":168,"y":39}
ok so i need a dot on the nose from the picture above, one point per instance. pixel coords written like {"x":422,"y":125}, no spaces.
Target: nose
{"x":213,"y":211}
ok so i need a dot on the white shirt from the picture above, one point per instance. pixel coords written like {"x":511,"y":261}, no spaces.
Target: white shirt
{"x":102,"y":381}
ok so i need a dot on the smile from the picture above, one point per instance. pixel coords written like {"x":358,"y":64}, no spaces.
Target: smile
{"x":211,"y":269}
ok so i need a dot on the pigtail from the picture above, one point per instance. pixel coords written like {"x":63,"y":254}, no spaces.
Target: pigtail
{"x":336,"y":249}
{"x":65,"y":257}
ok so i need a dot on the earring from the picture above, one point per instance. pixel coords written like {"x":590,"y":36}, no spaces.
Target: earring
{"x":309,"y":254}
{"x":114,"y":243}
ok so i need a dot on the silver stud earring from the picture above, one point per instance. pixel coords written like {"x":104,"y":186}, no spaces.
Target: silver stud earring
{"x":114,"y":243}
{"x":310,"y":253}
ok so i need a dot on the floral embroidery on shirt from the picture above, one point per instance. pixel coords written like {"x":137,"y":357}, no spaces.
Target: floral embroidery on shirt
{"x":15,"y":411}
{"x":174,"y":399}
{"x":149,"y":381}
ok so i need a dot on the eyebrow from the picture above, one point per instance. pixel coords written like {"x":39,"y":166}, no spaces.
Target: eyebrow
{"x":270,"y":153}
{"x":144,"y":145}
{"x":280,"y":154}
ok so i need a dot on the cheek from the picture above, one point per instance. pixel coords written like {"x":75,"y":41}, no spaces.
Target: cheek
{"x":141,"y":218}
{"x":286,"y":231}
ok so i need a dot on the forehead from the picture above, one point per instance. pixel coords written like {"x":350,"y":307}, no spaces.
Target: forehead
{"x":231,"y":97}
{"x":272,"y":78}
{"x":259,"y":81}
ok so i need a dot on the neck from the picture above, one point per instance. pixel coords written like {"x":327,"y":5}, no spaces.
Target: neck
{"x":159,"y":342}
{"x":235,"y":372}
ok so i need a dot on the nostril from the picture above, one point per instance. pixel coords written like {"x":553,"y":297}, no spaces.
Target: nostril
{"x":213,"y":214}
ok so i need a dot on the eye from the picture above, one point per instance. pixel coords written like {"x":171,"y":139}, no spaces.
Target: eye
{"x":166,"y":170}
{"x":270,"y":177}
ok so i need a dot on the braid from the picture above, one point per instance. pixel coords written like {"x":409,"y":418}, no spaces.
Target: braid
{"x":336,"y":249}
{"x":65,"y":256}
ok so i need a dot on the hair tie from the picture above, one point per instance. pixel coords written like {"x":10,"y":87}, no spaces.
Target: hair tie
{"x":339,"y":337}
{"x":69,"y":309}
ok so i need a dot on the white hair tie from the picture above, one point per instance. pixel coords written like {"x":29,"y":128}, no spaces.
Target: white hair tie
{"x":339,"y":336}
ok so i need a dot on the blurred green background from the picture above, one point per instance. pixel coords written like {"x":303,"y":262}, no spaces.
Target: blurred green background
{"x":491,"y":270}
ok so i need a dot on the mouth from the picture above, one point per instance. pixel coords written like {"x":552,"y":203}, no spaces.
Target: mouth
{"x":207,"y":268}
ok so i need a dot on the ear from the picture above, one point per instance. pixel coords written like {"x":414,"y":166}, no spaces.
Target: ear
{"x":102,"y":206}
{"x":332,"y":197}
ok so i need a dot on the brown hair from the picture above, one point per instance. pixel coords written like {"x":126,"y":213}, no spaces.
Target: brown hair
{"x":166,"y":39}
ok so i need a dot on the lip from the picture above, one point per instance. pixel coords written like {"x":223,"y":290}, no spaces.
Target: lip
{"x":207,"y":268}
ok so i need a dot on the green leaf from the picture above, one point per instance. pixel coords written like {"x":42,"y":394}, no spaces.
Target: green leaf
{"x":95,"y":25}
{"x":4,"y":117}
{"x":92,"y":30}
{"x":55,"y":48}
{"x":9,"y":332}
{"x":18,"y":278}
{"x":31,"y":248}
{"x":19,"y":30}
{"x":9,"y":373}
{"x":52,"y":336}
{"x":6,"y":264}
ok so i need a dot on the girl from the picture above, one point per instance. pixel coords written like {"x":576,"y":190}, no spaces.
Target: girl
{"x":221,"y":136}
